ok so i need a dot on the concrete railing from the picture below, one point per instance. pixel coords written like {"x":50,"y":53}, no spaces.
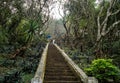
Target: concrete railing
{"x":39,"y":75}
{"x":79,"y":72}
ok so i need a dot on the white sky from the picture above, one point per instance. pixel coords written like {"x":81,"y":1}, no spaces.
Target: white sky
{"x":57,"y":8}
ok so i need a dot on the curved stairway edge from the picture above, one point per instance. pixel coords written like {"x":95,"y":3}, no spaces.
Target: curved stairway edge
{"x":39,"y":75}
{"x":79,"y":72}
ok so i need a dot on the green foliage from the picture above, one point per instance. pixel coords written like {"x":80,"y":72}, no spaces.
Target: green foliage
{"x":27,"y":78}
{"x":19,"y":28}
{"x":83,"y":23}
{"x":3,"y":38}
{"x":22,"y":31}
{"x":21,"y":70}
{"x":9,"y":75}
{"x":116,"y":45}
{"x":103,"y":70}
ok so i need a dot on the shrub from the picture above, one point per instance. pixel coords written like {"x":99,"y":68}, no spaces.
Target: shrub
{"x":12,"y":76}
{"x":104,"y":70}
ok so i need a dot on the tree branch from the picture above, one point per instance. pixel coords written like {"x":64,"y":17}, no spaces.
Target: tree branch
{"x":115,"y":12}
{"x":112,"y":26}
{"x":99,"y":24}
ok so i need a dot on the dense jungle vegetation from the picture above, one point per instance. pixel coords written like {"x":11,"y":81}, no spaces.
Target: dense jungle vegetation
{"x":93,"y":32}
{"x":22,"y":38}
{"x":90,"y":35}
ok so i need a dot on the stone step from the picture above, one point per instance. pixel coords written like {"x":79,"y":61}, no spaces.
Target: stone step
{"x":59,"y":74}
{"x":65,"y":78}
{"x":57,"y":64}
{"x":60,"y":67}
{"x":47,"y":70}
{"x":52,"y":66}
{"x":57,"y":81}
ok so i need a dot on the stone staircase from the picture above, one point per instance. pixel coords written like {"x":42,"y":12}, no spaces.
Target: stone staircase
{"x":57,"y":69}
{"x":55,"y":66}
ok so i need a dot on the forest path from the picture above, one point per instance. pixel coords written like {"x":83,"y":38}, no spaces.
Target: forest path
{"x":57,"y":69}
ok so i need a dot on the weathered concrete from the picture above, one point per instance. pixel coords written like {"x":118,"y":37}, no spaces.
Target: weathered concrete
{"x":76,"y":69}
{"x":39,"y":75}
{"x":57,"y":70}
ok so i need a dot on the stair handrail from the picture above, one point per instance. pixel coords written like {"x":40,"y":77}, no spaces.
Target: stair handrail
{"x":76,"y":68}
{"x":39,"y":75}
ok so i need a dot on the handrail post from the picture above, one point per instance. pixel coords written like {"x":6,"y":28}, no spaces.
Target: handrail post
{"x":39,"y":75}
